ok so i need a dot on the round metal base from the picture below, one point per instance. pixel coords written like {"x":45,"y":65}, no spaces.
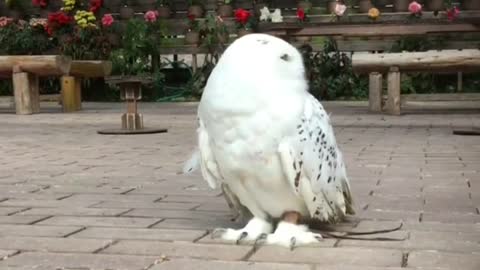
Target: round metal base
{"x":132,"y":132}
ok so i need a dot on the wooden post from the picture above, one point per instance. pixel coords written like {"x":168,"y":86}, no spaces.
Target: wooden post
{"x":78,"y":93}
{"x":22,"y":92}
{"x":68,"y":94}
{"x":194,"y":63}
{"x":459,"y":81}
{"x":34,"y":92}
{"x":393,"y":101}
{"x":132,"y":93}
{"x":375,"y":92}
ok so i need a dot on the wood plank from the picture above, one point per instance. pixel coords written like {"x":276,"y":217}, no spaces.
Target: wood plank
{"x":441,"y":97}
{"x":445,"y":60}
{"x":42,"y":65}
{"x":91,"y":69}
{"x":360,"y":30}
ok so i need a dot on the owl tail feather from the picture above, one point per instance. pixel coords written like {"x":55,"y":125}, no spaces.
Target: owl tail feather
{"x":193,"y":163}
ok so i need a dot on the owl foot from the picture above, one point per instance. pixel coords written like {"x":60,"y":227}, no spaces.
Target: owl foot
{"x":254,"y":230}
{"x":292,"y":235}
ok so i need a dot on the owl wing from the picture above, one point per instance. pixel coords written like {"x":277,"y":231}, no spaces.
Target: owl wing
{"x":314,"y":165}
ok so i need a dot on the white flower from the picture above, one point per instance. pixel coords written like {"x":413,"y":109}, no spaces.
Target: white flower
{"x":264,"y":14}
{"x":340,"y":9}
{"x":277,"y":16}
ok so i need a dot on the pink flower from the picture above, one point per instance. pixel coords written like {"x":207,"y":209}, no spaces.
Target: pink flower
{"x":107,"y":20}
{"x":415,"y":8}
{"x":340,"y":9}
{"x":4,"y":21}
{"x":151,"y":16}
{"x":453,"y":13}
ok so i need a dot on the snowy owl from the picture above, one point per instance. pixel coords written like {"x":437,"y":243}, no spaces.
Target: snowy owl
{"x":268,"y":143}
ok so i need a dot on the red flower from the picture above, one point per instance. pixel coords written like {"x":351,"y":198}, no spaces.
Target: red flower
{"x":57,"y":20}
{"x":242,"y":16}
{"x":452,"y":13}
{"x":49,"y":30}
{"x":39,"y":3}
{"x":95,"y":5}
{"x":191,"y":17}
{"x":59,"y":17}
{"x":301,"y":14}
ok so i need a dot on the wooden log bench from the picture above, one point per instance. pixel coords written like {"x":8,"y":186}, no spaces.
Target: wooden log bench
{"x":26,"y":70}
{"x":393,"y":64}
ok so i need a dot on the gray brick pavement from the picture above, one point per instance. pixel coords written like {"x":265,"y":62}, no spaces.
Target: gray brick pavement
{"x":70,"y":198}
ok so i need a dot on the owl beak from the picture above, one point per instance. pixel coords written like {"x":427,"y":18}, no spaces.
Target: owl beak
{"x":285,"y":57}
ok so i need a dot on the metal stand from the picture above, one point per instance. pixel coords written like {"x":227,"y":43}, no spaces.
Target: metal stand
{"x":132,"y":121}
{"x":467,"y":132}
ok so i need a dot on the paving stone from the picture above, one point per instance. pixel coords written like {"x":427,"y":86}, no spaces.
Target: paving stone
{"x":78,"y":261}
{"x":354,"y":267}
{"x":147,"y":205}
{"x":140,"y":234}
{"x":37,"y":230}
{"x":4,"y":211}
{"x":86,"y":189}
{"x":177,"y":214}
{"x":390,"y":215}
{"x":122,"y":198}
{"x":193,"y":199}
{"x":71,"y":211}
{"x":100,"y":221}
{"x":177,"y":249}
{"x":331,"y":256}
{"x":369,"y":225}
{"x":43,"y":203}
{"x":451,"y":217}
{"x":188,"y":264}
{"x":45,"y":244}
{"x":6,"y":253}
{"x":21,"y":219}
{"x":202,"y":223}
{"x":450,"y":260}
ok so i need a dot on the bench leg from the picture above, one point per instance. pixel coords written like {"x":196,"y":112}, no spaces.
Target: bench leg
{"x":27,"y":98}
{"x":35,"y":92}
{"x":68,"y":94}
{"x":71,"y":93}
{"x":393,"y":101}
{"x":78,"y":94}
{"x":375,"y":92}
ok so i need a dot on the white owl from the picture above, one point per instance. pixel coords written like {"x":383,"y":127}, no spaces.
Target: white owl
{"x":269,"y":144}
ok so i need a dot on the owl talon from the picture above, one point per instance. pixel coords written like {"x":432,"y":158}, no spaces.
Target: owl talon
{"x":241,"y":237}
{"x":292,"y":235}
{"x":293,"y":241}
{"x":260,"y":240}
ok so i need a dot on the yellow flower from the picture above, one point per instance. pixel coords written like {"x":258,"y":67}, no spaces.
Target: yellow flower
{"x":373,"y":13}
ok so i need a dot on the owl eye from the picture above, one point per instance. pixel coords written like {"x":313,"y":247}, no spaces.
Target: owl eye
{"x":285,"y":57}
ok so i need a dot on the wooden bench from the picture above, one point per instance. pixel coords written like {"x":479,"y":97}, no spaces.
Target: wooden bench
{"x":393,"y":64}
{"x":25,"y":71}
